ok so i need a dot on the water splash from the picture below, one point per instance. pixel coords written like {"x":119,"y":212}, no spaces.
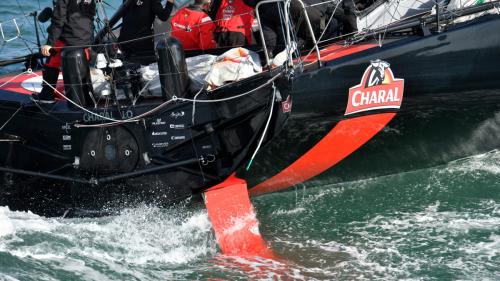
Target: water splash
{"x":134,"y":245}
{"x":439,"y":223}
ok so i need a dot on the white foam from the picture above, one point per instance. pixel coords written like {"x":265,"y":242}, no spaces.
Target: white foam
{"x":5,"y":277}
{"x":138,"y":238}
{"x":6,"y":226}
{"x":487,"y":162}
{"x":241,"y":222}
{"x":259,"y":268}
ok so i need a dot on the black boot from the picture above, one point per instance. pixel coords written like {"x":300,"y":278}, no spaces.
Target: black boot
{"x":50,"y":77}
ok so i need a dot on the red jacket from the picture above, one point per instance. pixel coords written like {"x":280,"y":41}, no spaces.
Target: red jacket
{"x":193,"y":28}
{"x":235,"y":16}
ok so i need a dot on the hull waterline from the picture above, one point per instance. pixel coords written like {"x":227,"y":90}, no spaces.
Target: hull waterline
{"x":449,"y":111}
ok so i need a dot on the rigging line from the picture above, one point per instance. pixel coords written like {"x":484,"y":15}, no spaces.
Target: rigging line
{"x":387,"y":26}
{"x":15,"y":77}
{"x":25,"y":15}
{"x":26,"y":44}
{"x":74,"y":103}
{"x":112,"y":76}
{"x":135,"y":119}
{"x":323,"y":33}
{"x":295,"y":37}
{"x":342,"y":36}
{"x":285,"y":35}
{"x":201,"y":90}
{"x":142,"y":91}
{"x":130,"y":120}
{"x":197,"y":155}
{"x":174,"y":99}
{"x":14,"y":21}
{"x":101,"y":10}
{"x":166,"y":33}
{"x":388,"y":6}
{"x":109,"y":5}
{"x":194,"y":104}
{"x":270,"y":81}
{"x":49,"y":114}
{"x":265,"y":129}
{"x":8,"y":120}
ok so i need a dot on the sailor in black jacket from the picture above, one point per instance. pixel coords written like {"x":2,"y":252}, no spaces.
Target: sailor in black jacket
{"x":72,"y":24}
{"x":343,"y":21}
{"x":137,"y":25}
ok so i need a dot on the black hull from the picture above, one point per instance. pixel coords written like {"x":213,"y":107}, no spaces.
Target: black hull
{"x":449,"y":110}
{"x":51,"y":164}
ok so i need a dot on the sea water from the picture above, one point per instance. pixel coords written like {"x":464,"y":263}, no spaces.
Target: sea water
{"x":441,"y":223}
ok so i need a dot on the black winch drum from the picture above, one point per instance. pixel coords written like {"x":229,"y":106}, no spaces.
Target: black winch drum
{"x":76,"y":75}
{"x":172,"y":68}
{"x":127,"y":81}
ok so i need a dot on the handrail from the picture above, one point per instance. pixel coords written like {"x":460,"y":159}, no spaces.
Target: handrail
{"x":287,"y":35}
{"x":14,"y":37}
{"x":260,"y":25}
{"x":311,"y":31}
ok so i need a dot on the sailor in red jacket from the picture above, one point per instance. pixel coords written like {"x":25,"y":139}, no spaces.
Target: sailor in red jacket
{"x":234,"y":20}
{"x":193,"y":27}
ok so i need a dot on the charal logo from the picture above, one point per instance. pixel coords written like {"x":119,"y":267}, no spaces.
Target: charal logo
{"x":378,"y":90}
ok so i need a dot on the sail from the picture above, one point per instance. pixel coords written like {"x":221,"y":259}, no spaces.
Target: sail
{"x":383,"y":13}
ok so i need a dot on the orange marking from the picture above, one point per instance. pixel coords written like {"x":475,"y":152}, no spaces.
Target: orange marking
{"x":345,"y":138}
{"x":234,"y":221}
{"x":336,"y":51}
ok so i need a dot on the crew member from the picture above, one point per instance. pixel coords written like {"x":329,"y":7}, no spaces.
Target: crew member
{"x":72,"y":24}
{"x":345,"y":15}
{"x":233,"y":19}
{"x":193,"y":27}
{"x":320,"y":17}
{"x":136,"y":34}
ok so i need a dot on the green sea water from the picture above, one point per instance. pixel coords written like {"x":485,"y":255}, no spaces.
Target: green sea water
{"x":441,"y":223}
{"x":434,"y":224}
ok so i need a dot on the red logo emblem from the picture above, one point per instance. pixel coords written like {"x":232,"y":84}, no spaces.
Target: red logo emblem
{"x":286,"y":106}
{"x":378,"y":90}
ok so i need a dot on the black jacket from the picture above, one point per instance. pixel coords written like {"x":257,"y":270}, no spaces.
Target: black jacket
{"x":72,"y":22}
{"x":138,"y":21}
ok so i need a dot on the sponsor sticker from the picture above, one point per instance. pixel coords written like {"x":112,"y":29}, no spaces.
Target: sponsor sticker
{"x":177,"y":114}
{"x":378,"y":90}
{"x":160,"y":144}
{"x":177,"y":126}
{"x":159,"y":133}
{"x":158,"y":122}
{"x":286,"y":106}
{"x":228,"y":13}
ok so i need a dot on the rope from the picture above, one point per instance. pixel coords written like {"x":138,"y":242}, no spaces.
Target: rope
{"x":174,"y":99}
{"x":136,"y":118}
{"x":144,"y":37}
{"x":25,"y":14}
{"x":29,"y":71}
{"x":74,"y":103}
{"x":326,"y":27}
{"x":14,"y":37}
{"x":265,"y":130}
{"x":10,"y":118}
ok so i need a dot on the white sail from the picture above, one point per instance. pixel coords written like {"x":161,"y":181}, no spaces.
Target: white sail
{"x":384,"y":13}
